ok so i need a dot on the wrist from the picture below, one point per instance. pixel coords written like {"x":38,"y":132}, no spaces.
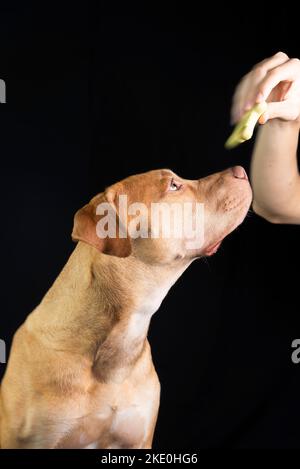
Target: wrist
{"x":282,"y":124}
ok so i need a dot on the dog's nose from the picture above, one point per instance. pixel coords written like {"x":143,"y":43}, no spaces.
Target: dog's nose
{"x":239,"y":172}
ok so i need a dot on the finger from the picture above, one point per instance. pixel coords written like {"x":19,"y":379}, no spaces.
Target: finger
{"x":235,"y":107}
{"x":288,"y":71}
{"x":260,"y":71}
{"x":271,"y":62}
{"x":240,"y":100}
{"x":244,"y":104}
{"x":235,"y":110}
{"x":284,"y":110}
{"x":258,"y":74}
{"x":246,"y":92}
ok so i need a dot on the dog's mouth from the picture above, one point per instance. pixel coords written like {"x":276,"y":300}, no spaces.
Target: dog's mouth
{"x":212,"y":249}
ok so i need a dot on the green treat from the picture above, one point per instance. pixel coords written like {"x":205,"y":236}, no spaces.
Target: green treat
{"x":245,"y":127}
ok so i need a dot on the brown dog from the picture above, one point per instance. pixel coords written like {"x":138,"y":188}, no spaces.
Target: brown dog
{"x":80,"y":373}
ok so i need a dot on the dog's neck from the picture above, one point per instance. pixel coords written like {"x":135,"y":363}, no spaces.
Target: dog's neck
{"x":137,"y":291}
{"x":100,"y":306}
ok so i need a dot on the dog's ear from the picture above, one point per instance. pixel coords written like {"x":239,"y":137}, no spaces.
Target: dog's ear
{"x":99,"y":225}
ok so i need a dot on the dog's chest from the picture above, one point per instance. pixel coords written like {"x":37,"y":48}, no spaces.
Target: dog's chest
{"x":117,"y":418}
{"x":114,"y":427}
{"x":129,"y":426}
{"x":121,"y":413}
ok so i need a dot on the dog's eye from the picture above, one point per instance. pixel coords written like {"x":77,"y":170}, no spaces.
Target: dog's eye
{"x":174,"y":186}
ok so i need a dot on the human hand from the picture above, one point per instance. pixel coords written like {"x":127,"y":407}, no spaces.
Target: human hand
{"x":275,"y":80}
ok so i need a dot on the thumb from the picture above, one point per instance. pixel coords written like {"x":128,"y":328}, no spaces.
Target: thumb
{"x":285,"y":110}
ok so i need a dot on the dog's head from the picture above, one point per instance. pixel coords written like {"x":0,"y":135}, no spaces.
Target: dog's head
{"x":161,"y":217}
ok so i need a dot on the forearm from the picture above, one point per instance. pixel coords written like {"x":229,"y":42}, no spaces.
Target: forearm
{"x":274,"y":172}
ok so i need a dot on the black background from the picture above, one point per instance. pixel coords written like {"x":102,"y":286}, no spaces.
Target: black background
{"x":99,"y":91}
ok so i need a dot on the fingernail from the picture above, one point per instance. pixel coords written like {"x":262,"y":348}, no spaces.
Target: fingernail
{"x":263,"y":118}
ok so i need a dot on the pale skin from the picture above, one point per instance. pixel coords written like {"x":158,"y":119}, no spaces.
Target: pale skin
{"x":274,"y":170}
